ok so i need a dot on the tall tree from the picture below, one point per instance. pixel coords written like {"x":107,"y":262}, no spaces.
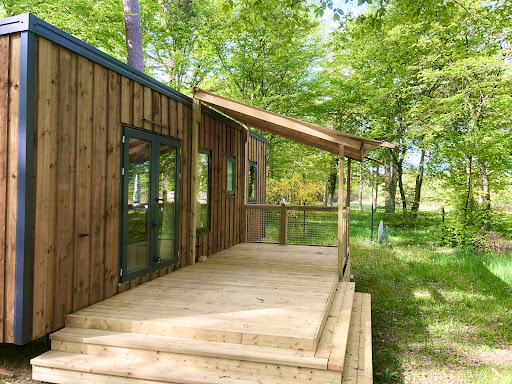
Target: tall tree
{"x":135,"y":57}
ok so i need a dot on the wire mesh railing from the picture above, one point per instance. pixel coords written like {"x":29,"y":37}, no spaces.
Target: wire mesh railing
{"x":262,"y":225}
{"x":294,"y":224}
{"x":312,"y":227}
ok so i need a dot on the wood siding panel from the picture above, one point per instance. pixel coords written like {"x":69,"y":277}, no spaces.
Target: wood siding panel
{"x":4,"y":155}
{"x":257,"y":154}
{"x":99,"y":183}
{"x":222,"y":140}
{"x":113,"y":202}
{"x":9,"y":83}
{"x":66,"y":173}
{"x":80,"y":109}
{"x":83,"y":207}
{"x":45,"y":193}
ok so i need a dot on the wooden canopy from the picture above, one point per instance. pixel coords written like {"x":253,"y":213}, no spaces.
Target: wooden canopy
{"x":300,"y":131}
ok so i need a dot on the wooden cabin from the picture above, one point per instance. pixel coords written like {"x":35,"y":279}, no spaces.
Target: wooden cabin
{"x":80,"y":184}
{"x":110,"y":180}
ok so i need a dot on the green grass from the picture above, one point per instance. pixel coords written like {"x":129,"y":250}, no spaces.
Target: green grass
{"x":439,"y":314}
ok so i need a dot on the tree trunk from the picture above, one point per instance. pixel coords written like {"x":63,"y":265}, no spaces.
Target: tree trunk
{"x":361,"y":187}
{"x":331,"y":182}
{"x":376,"y":184}
{"x":387,"y":186}
{"x":401,"y":185}
{"x":419,"y":182}
{"x":486,"y":193}
{"x":133,"y":34}
{"x":469,"y":182}
{"x":394,"y":176}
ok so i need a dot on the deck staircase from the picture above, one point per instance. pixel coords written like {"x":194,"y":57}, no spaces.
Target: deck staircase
{"x":92,"y":355}
{"x":268,"y":314}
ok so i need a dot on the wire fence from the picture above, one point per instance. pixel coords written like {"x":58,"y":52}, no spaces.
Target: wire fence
{"x":308,"y":226}
{"x":312,"y":227}
{"x":262,"y":225}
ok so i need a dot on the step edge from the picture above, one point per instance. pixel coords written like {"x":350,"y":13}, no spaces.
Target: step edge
{"x":244,"y":353}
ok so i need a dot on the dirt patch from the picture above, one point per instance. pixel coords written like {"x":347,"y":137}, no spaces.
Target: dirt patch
{"x":17,"y":359}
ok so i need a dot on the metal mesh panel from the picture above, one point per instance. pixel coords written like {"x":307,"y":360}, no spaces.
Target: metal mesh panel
{"x":262,"y":225}
{"x":312,"y":227}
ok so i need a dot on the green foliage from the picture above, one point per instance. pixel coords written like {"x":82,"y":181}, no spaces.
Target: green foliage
{"x":434,"y":76}
{"x":97,"y":22}
{"x":294,"y":190}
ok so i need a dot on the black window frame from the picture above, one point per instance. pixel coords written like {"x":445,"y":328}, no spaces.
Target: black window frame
{"x":155,"y":139}
{"x":207,"y":229}
{"x":252,"y":200}
{"x":231,"y":158}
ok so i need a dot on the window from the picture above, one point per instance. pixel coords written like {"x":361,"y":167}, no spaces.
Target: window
{"x":253,"y":177}
{"x":203,"y":191}
{"x":230,"y":176}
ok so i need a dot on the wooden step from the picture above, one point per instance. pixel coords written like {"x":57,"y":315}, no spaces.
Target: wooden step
{"x":80,"y":340}
{"x":62,"y":367}
{"x":272,"y":318}
{"x":334,"y":338}
{"x":357,"y":367}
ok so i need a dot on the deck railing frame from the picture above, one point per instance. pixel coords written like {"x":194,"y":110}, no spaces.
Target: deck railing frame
{"x":344,"y":223}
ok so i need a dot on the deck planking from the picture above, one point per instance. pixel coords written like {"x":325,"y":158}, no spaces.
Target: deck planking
{"x":267,"y":295}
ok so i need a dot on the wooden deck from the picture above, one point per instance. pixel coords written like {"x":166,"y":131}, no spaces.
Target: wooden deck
{"x":252,"y":313}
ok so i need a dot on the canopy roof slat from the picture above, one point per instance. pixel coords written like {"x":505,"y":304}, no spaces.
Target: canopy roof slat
{"x":300,"y":131}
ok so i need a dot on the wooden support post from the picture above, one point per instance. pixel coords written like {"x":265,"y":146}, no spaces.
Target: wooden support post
{"x":283,"y":224}
{"x":347,"y":205}
{"x":196,"y":121}
{"x":341,"y":227}
{"x":245,"y":170}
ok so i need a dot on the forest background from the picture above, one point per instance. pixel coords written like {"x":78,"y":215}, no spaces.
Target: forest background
{"x":433,"y":77}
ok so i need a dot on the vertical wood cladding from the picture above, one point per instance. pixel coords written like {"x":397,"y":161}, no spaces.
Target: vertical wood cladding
{"x":9,"y":83}
{"x":257,"y":154}
{"x":223,"y":139}
{"x":256,"y":218}
{"x":80,"y":109}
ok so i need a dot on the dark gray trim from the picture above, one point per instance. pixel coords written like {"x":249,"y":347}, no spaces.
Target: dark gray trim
{"x":257,"y":136}
{"x":24,"y":209}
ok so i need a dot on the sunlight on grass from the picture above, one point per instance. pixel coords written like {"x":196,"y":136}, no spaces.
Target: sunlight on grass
{"x":434,"y":309}
{"x":500,"y":267}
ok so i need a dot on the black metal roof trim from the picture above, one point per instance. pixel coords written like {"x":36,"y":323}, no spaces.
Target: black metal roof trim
{"x":257,"y":136}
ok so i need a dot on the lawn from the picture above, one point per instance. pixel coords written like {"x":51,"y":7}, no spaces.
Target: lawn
{"x":439,"y":315}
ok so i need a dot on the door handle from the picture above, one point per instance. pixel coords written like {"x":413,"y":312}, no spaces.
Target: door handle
{"x":154,"y":224}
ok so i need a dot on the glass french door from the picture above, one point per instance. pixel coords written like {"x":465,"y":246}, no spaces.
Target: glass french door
{"x":150,"y":200}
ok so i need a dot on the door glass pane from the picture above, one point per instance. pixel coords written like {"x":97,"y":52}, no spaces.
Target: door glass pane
{"x":166,"y":202}
{"x":138,"y":204}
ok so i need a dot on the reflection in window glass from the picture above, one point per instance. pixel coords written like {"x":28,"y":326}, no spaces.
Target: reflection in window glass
{"x":138,"y":203}
{"x":253,"y":171}
{"x":166,"y":202}
{"x":203,"y":190}
{"x":230,"y":176}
